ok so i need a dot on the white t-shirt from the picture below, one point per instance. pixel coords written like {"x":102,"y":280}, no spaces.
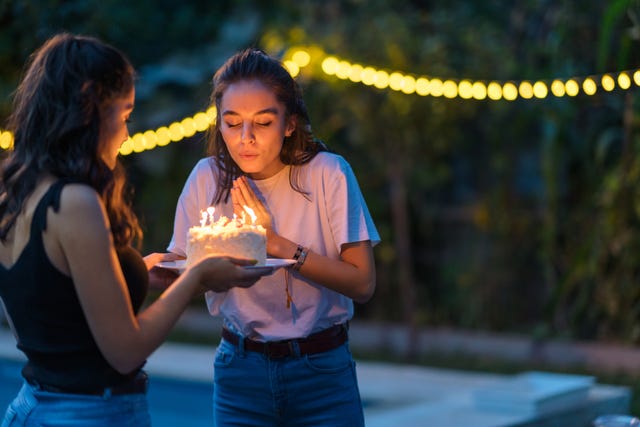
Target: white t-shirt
{"x":334,"y":213}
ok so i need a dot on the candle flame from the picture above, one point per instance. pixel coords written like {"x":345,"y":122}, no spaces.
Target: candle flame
{"x":237,"y":220}
{"x":251,"y":213}
{"x":210,"y":211}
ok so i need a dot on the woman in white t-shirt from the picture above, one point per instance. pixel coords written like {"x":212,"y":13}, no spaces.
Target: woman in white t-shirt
{"x":284,"y":357}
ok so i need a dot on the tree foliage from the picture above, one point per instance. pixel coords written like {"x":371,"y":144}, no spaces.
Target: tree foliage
{"x":509,"y":216}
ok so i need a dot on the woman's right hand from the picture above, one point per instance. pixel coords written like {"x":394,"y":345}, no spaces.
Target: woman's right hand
{"x":221,"y":273}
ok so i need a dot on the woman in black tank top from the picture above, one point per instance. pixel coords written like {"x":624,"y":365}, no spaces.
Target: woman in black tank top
{"x":71,"y":282}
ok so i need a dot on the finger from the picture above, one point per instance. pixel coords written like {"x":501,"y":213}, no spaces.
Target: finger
{"x":257,"y":272}
{"x":242,"y":261}
{"x":246,"y":191}
{"x":152,"y":259}
{"x":171,"y":256}
{"x":252,"y":200}
{"x":238,"y":201}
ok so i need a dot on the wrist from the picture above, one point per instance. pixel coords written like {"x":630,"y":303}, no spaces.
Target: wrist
{"x":300,"y":256}
{"x":279,"y":247}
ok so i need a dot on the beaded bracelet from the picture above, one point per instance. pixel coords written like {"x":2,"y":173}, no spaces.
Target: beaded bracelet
{"x":301,"y":259}
{"x":299,"y":250}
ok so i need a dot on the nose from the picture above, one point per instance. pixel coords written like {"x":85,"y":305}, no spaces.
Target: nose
{"x":247,"y":133}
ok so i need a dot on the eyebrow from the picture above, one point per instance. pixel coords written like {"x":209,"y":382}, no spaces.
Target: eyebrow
{"x":270,"y":110}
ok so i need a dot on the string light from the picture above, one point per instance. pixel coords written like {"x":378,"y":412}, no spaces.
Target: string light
{"x":6,"y":140}
{"x":164,"y":135}
{"x":624,"y":81}
{"x":479,"y":90}
{"x":300,"y":57}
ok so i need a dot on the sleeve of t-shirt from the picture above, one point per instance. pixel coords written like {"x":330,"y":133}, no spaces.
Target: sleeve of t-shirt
{"x":348,"y":212}
{"x":196,"y":196}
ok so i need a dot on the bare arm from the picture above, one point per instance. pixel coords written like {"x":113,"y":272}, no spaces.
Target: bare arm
{"x":353,"y":275}
{"x":82,"y":230}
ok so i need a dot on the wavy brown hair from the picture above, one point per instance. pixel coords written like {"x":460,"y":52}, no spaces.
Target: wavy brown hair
{"x":55,"y":122}
{"x":298,"y":148}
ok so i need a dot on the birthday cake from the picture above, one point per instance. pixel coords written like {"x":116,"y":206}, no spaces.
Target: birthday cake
{"x":226,"y":236}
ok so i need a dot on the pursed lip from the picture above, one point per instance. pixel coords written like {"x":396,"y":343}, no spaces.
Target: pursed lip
{"x":248,"y":156}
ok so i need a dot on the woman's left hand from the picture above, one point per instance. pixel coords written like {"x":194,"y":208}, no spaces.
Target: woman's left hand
{"x":243,"y":195}
{"x":160,"y":278}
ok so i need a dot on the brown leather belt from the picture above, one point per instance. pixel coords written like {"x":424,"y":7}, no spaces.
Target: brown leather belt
{"x":322,"y":341}
{"x":137,"y":385}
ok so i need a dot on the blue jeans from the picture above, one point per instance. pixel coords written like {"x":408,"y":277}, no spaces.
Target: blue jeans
{"x":34,"y":407}
{"x":311,"y":390}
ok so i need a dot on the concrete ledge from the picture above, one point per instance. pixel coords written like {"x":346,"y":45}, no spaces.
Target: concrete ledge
{"x":601,"y":357}
{"x":367,"y":336}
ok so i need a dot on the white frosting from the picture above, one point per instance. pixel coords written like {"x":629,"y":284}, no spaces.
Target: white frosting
{"x":227,"y":237}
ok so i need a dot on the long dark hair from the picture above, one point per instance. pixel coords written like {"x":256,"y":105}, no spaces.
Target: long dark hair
{"x":56,"y":127}
{"x":298,"y":148}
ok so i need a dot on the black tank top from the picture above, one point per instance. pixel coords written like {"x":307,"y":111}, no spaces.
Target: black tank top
{"x":48,"y":320}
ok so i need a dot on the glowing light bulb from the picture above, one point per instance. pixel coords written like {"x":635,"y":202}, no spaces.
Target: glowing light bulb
{"x":540,"y":90}
{"x":608,"y":83}
{"x":557,"y":88}
{"x":465,"y":89}
{"x":494,"y":91}
{"x":302,"y":58}
{"x":509,"y":91}
{"x":422,"y":86}
{"x":589,"y":86}
{"x":479,"y":91}
{"x":330,"y":65}
{"x":624,"y":81}
{"x":525,"y":90}
{"x":572,"y":87}
{"x":450,"y":89}
{"x":381,"y":80}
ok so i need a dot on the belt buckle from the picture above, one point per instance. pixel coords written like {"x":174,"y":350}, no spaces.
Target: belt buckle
{"x":142,"y":381}
{"x":278,"y":349}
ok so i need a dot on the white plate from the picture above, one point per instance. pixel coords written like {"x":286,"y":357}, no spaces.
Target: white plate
{"x":275,"y":263}
{"x":178,"y":265}
{"x":181,"y":264}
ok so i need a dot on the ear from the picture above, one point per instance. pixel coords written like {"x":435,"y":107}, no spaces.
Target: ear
{"x":291,"y":125}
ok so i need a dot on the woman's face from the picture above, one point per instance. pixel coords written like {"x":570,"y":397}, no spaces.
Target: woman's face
{"x":253,"y":126}
{"x":113,"y":127}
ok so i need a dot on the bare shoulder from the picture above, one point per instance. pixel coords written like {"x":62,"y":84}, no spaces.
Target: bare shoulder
{"x":76,"y":196}
{"x":80,"y":206}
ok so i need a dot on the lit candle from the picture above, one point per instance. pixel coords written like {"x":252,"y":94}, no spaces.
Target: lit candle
{"x":251,"y":214}
{"x":210,"y":211}
{"x":203,"y":219}
{"x":237,"y":220}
